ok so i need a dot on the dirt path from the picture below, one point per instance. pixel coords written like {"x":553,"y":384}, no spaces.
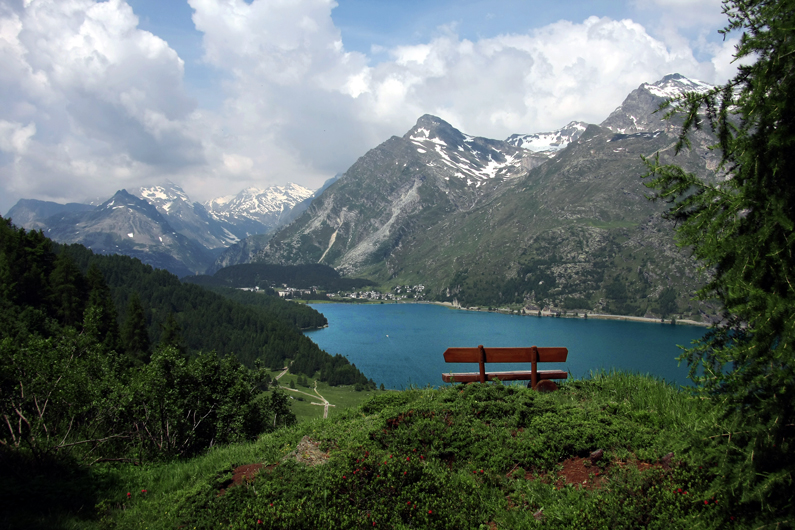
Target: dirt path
{"x":325,"y":403}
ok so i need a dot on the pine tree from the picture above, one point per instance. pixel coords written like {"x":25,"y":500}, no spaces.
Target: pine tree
{"x":172,"y":334}
{"x":100,"y":298}
{"x":742,"y":229}
{"x":134,"y":335}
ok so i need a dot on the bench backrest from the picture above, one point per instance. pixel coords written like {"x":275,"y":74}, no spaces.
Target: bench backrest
{"x":481,"y":355}
{"x":506,"y":355}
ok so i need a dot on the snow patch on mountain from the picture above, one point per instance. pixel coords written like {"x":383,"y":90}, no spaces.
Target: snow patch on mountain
{"x":675,"y":85}
{"x":254,"y":203}
{"x":551,"y":142}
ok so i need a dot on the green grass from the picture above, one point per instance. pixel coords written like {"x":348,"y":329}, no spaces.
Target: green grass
{"x":342,"y":397}
{"x":440,"y":458}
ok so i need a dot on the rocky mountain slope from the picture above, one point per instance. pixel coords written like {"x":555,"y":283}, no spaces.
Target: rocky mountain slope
{"x":245,"y":250}
{"x":169,"y":231}
{"x":486,"y":222}
{"x":32,"y":214}
{"x":256,"y":210}
{"x":188,"y":218}
{"x":128,"y":225}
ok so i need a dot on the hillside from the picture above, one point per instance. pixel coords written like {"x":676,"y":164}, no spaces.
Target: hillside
{"x":562,"y":225}
{"x":479,"y":456}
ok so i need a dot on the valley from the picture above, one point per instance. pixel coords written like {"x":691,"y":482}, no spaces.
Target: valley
{"x":556,"y":221}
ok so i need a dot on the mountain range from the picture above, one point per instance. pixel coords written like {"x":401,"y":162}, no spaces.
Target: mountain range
{"x":564,"y":224}
{"x":555,"y":220}
{"x":161,"y":226}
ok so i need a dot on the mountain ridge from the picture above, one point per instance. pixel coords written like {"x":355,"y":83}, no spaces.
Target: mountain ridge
{"x":471,"y":219}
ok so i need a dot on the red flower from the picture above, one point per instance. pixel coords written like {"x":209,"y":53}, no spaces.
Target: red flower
{"x":344,"y":477}
{"x":408,"y":458}
{"x":143,"y":491}
{"x":706,"y":502}
{"x":129,"y":494}
{"x":430,"y":511}
{"x":259,"y":521}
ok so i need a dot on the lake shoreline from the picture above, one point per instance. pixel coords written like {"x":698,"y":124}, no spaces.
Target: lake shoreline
{"x":600,"y":316}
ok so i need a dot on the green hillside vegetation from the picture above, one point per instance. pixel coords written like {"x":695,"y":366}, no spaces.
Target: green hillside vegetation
{"x":475,"y":456}
{"x":264,"y":276}
{"x":139,"y":367}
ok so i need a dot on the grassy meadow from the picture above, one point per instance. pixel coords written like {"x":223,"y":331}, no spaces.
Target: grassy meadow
{"x":476,"y":456}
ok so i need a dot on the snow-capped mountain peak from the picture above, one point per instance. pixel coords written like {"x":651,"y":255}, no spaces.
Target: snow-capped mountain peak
{"x":675,"y":85}
{"x":163,"y":196}
{"x":550,"y":142}
{"x":254,"y":202}
{"x":471,"y":159}
{"x":638,"y":111}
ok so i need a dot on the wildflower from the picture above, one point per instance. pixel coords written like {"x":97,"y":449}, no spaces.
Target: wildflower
{"x":143,"y":491}
{"x":259,"y":521}
{"x":129,"y":494}
{"x":430,"y":511}
{"x":679,"y":490}
{"x":706,"y":502}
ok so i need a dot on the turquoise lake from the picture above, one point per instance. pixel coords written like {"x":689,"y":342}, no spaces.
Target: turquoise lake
{"x":401,"y":345}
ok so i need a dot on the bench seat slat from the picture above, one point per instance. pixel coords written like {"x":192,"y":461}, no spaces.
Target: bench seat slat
{"x":473,"y":377}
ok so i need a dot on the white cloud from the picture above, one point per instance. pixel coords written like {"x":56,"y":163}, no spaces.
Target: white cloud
{"x":105,"y":99}
{"x":14,"y":137}
{"x":93,"y":101}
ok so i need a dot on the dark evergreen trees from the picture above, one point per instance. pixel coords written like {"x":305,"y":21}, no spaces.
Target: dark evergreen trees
{"x":134,"y":334}
{"x":742,"y":228}
{"x":172,"y":335}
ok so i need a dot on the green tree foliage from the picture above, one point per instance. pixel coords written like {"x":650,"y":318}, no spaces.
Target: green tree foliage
{"x":250,"y":326}
{"x":172,"y":334}
{"x":666,"y":302}
{"x":264,"y":275}
{"x":134,"y":334}
{"x":742,"y":228}
{"x":67,"y":394}
{"x":100,"y":300}
{"x":179,"y":406}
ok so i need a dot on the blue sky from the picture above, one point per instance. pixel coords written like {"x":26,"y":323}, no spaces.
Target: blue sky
{"x":219,"y":95}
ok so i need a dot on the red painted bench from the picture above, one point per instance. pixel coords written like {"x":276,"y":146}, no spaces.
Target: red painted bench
{"x":539,"y":379}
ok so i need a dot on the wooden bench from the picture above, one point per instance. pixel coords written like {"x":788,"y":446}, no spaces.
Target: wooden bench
{"x":539,"y":379}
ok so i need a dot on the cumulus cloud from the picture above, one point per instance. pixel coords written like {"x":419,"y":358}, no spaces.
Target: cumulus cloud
{"x":104,"y":99}
{"x":94,"y":102}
